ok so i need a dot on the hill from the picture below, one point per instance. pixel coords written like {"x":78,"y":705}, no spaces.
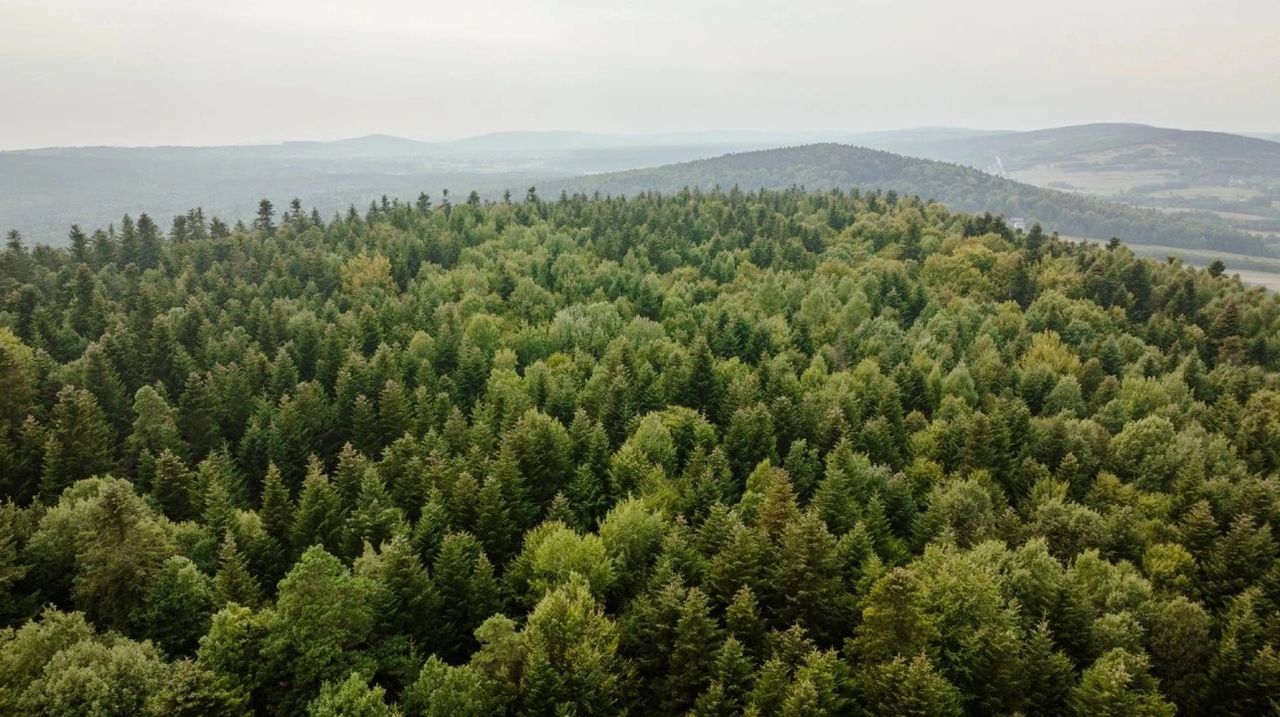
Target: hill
{"x":1213,"y":177}
{"x":963,"y":188}
{"x":44,"y":191}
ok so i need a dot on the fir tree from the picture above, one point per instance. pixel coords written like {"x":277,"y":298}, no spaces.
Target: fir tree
{"x":234,"y":582}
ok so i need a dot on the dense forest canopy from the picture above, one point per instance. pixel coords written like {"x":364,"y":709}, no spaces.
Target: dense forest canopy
{"x":778,"y":453}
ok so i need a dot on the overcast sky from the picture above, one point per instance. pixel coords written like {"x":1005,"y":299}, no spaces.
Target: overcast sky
{"x":77,"y":72}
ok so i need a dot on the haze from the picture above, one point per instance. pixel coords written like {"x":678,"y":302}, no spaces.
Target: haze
{"x":85,"y":72}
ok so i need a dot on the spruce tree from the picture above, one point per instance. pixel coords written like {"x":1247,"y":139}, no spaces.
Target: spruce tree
{"x":234,"y":583}
{"x":79,"y":443}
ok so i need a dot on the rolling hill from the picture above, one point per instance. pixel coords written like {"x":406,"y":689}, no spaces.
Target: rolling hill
{"x":821,"y":166}
{"x":1214,"y":177}
{"x":43,"y":191}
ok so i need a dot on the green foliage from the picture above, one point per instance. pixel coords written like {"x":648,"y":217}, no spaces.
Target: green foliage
{"x":445,"y":691}
{"x":79,"y":443}
{"x":713,"y":454}
{"x":178,"y":607}
{"x":910,"y":686}
{"x":1119,"y":684}
{"x":98,"y":678}
{"x":571,"y":664}
{"x":352,"y":697}
{"x":323,"y":613}
{"x":192,"y":691}
{"x":120,"y":548}
{"x":234,"y":583}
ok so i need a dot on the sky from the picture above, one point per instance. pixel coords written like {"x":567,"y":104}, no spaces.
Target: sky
{"x":146,"y":72}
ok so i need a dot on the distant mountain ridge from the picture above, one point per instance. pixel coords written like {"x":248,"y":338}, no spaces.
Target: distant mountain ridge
{"x":1059,"y":143}
{"x":43,"y":191}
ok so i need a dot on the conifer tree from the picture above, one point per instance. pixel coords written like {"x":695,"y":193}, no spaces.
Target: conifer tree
{"x":234,"y":582}
{"x":79,"y":443}
{"x":406,"y":601}
{"x":318,"y":518}
{"x":178,"y":607}
{"x":173,"y":486}
{"x":277,"y":507}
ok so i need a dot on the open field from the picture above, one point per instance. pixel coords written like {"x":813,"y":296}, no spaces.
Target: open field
{"x":1100,"y":182}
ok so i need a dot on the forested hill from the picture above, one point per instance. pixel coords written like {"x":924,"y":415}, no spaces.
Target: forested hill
{"x":1200,"y":158}
{"x":819,"y":166}
{"x":778,"y":453}
{"x":1209,"y":177}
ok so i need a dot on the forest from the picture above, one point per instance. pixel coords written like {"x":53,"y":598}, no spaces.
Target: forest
{"x":796,"y":453}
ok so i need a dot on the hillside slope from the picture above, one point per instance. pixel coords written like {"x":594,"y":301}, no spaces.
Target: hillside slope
{"x":1215,"y":177}
{"x":824,"y":166}
{"x":43,"y":191}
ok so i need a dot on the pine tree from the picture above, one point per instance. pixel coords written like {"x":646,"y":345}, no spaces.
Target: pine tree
{"x":353,"y":697}
{"x":277,"y":506}
{"x":1049,"y":674}
{"x":893,"y":620}
{"x":702,"y":392}
{"x":352,"y":465}
{"x":323,"y":616}
{"x":808,"y":578}
{"x":173,"y":486}
{"x":155,"y":428}
{"x":1118,"y":683}
{"x":429,"y":532}
{"x":194,"y":691}
{"x":493,"y":525}
{"x":79,"y":443}
{"x":542,"y":452}
{"x":910,"y":687}
{"x":393,"y":411}
{"x":406,"y":600}
{"x":464,"y":581}
{"x":730,"y":685}
{"x":148,"y":242}
{"x":1198,"y":529}
{"x":129,"y":250}
{"x":374,"y":519}
{"x":234,"y":583}
{"x":218,"y":509}
{"x":318,"y":518}
{"x":79,"y":244}
{"x":264,"y":222}
{"x":120,"y":547}
{"x":561,"y":511}
{"x":688,"y":670}
{"x":102,"y":380}
{"x":463,"y":502}
{"x":572,"y":665}
{"x":743,"y":621}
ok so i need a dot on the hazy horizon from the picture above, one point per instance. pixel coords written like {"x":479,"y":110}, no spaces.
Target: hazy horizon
{"x":148,"y":73}
{"x":816,"y":135}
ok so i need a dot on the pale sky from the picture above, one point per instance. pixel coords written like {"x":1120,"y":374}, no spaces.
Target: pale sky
{"x":136,"y":72}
